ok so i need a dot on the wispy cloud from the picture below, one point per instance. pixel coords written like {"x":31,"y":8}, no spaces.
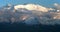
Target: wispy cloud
{"x":57,"y":6}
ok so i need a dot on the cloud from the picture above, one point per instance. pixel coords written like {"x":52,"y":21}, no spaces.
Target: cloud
{"x":57,"y":6}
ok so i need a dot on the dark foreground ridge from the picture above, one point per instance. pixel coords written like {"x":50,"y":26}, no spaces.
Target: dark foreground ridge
{"x":5,"y":27}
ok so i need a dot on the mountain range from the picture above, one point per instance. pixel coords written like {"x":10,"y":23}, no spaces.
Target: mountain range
{"x":29,"y":14}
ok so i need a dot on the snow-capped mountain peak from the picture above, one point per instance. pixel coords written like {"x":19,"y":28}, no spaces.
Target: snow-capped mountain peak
{"x":32,"y":7}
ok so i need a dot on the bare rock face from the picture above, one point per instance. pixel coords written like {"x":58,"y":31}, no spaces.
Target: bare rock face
{"x":57,"y":16}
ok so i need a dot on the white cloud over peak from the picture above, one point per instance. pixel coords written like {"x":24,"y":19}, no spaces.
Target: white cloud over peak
{"x":57,"y":6}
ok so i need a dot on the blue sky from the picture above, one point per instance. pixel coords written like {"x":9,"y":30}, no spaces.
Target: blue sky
{"x":41,"y":2}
